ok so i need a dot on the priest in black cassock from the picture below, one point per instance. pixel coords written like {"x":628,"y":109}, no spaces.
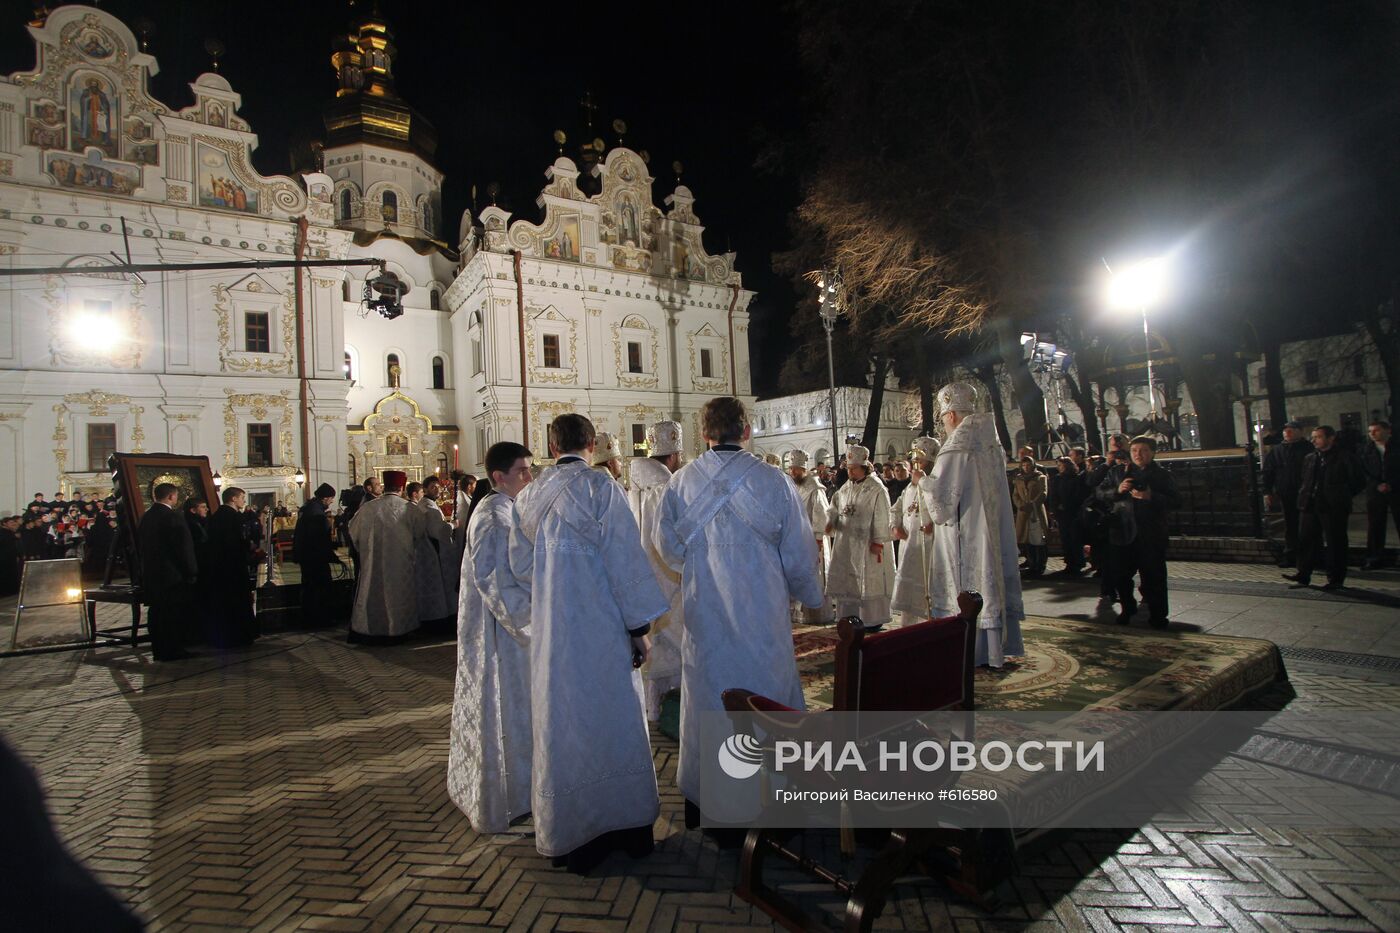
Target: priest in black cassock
{"x":229,"y":587}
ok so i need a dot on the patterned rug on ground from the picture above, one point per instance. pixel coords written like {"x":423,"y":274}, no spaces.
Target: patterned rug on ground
{"x":1084,"y":665}
{"x":1076,"y":665}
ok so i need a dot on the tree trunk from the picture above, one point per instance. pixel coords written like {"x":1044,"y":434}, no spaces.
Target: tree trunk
{"x":1385,"y":334}
{"x":987,"y":372}
{"x":1029,"y":398}
{"x":1273,"y":382}
{"x":1211,"y":393}
{"x":871,"y":435}
{"x":925,"y":387}
{"x":1084,"y":401}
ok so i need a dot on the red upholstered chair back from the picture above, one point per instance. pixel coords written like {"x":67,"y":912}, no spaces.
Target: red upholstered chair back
{"x":918,"y":668}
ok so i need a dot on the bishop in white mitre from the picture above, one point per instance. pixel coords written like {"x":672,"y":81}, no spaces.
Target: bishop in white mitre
{"x":735,"y":530}
{"x":385,"y":530}
{"x":489,"y":755}
{"x":593,"y":599}
{"x":974,"y":535}
{"x":648,"y":478}
{"x":860,"y":573}
{"x":911,"y":523}
{"x":607,"y":455}
{"x":812,"y":495}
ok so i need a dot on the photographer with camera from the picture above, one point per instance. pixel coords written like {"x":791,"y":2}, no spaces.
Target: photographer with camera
{"x":1139,"y":493}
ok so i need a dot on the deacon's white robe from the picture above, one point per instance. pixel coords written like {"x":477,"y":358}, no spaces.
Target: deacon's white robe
{"x":857,"y":581}
{"x":663,"y":669}
{"x":911,"y":580}
{"x":436,"y":564}
{"x":385,"y":531}
{"x":812,"y":495}
{"x":488,"y":759}
{"x":735,"y":530}
{"x":975,"y":536}
{"x":577,"y":548}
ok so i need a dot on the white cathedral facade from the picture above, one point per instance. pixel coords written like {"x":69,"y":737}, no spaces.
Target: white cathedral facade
{"x":609,"y":305}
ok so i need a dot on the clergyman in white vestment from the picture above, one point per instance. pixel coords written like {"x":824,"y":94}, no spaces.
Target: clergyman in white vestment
{"x":593,"y":598}
{"x":911,"y":523}
{"x":436,"y":564}
{"x":860,"y":573}
{"x":735,"y":530}
{"x":489,"y":756}
{"x":647,"y":482}
{"x":812,"y":495}
{"x":384,"y":531}
{"x":974,"y":530}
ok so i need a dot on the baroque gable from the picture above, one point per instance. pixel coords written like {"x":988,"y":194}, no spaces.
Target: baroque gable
{"x":84,"y":120}
{"x":619,"y":228}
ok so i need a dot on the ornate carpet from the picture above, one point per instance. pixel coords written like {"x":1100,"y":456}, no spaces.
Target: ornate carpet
{"x":1085,"y":665}
{"x":1074,"y":666}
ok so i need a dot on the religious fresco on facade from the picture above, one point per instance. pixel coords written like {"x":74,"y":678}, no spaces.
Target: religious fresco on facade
{"x":44,"y":127}
{"x":94,"y":44}
{"x":92,"y":108}
{"x":139,"y":144}
{"x":396,"y":445}
{"x":216,"y":114}
{"x":217,"y":187}
{"x":565,"y":245}
{"x":627,"y":224}
{"x":94,"y":173}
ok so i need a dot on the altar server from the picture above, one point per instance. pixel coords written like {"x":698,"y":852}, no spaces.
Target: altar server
{"x":911,"y":523}
{"x":594,"y":596}
{"x":488,"y":758}
{"x":860,"y":573}
{"x":384,"y":530}
{"x":736,"y":532}
{"x":649,"y":477}
{"x":812,"y":495}
{"x":974,"y":535}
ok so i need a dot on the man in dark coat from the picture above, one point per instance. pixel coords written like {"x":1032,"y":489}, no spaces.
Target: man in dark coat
{"x":1282,"y":477}
{"x":314,"y":550}
{"x":1141,"y":493}
{"x":1381,"y":461}
{"x":230,"y":589}
{"x":1331,"y":479}
{"x":1067,"y":495}
{"x":168,"y":571}
{"x":9,"y":556}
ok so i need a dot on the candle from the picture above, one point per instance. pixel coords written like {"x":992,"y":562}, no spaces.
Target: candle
{"x":454,"y":456}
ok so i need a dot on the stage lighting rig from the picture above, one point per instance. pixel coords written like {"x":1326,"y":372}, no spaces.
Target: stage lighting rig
{"x":384,"y":295}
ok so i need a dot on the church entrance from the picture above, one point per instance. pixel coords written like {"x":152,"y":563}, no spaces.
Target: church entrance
{"x":397,"y":436}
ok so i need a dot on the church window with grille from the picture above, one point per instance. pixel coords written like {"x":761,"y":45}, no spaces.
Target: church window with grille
{"x":634,"y":356}
{"x":101,"y":444}
{"x":551,"y":351}
{"x":392,"y":371}
{"x":707,"y":365}
{"x":257,"y":337}
{"x":345,"y":204}
{"x":259,"y":444}
{"x":639,"y":440}
{"x":439,"y":373}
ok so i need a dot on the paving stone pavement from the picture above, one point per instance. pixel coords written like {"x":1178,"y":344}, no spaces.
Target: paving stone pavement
{"x":300,"y":785}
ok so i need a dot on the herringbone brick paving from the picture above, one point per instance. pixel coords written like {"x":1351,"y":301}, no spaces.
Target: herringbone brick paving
{"x":300,"y":785}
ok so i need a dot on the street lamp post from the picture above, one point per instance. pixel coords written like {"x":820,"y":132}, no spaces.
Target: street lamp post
{"x":1136,"y":288}
{"x":831,"y":300}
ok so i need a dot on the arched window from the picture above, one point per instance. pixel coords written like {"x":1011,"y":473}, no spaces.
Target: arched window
{"x":392,"y":371}
{"x":349,"y":368}
{"x":439,"y":372}
{"x":435,"y":299}
{"x":345,"y":204}
{"x":345,"y":290}
{"x":389,"y":205}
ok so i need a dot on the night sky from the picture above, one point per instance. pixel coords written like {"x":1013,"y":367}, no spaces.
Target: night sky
{"x":711,"y":85}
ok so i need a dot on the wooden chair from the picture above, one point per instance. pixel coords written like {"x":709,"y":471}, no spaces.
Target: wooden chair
{"x":926,"y":667}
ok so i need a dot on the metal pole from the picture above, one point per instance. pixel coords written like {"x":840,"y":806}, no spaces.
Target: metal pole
{"x":271,"y":548}
{"x":132,"y":268}
{"x":1147,"y":345}
{"x":831,"y":392}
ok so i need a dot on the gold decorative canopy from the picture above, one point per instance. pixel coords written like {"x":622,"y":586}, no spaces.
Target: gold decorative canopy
{"x":367,"y":109}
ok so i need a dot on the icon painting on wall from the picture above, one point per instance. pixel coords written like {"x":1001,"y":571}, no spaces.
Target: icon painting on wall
{"x":94,"y":45}
{"x":565,"y":245}
{"x":94,"y":114}
{"x":95,"y":173}
{"x":217,"y":187}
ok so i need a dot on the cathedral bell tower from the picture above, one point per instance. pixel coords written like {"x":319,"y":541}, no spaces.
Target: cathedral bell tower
{"x":379,"y":150}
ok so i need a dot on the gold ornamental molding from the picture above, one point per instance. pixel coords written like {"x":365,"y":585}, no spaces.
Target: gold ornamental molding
{"x":639,"y":326}
{"x":564,"y":376}
{"x":259,"y":405}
